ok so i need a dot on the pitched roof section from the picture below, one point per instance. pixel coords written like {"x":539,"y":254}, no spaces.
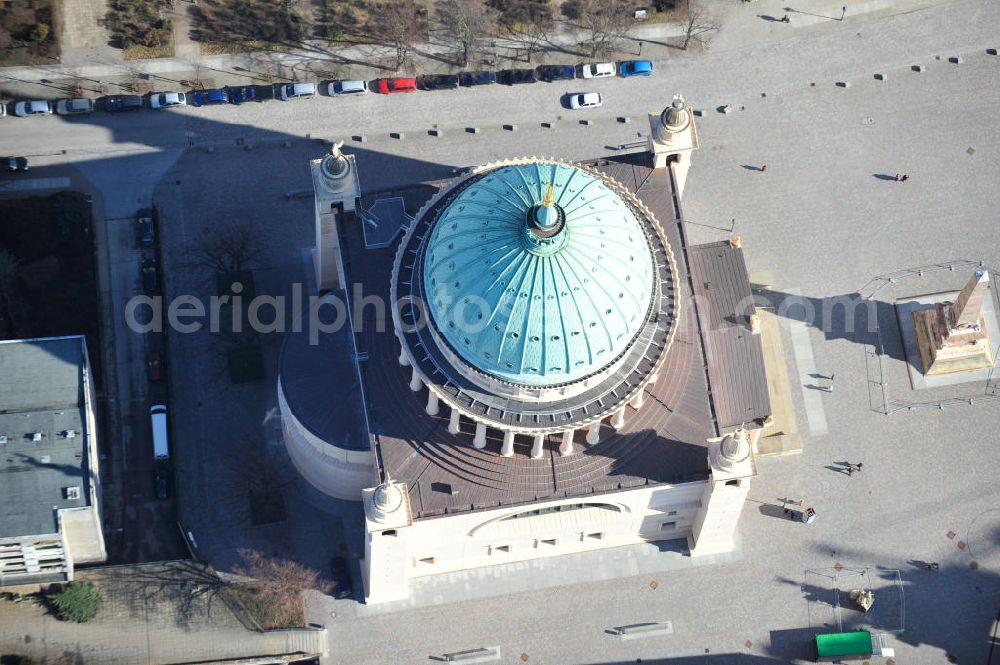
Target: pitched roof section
{"x":734,"y":354}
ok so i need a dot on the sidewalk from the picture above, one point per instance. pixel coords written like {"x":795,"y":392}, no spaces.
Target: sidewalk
{"x":155,"y":613}
{"x":742,"y":24}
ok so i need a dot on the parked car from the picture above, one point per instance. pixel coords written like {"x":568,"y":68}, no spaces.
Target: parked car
{"x":166,"y":100}
{"x":286,"y":91}
{"x":161,"y":483}
{"x":469,"y":79}
{"x":15,"y":164}
{"x":338,"y":88}
{"x":636,"y":68}
{"x":596,"y":70}
{"x":387,"y":86}
{"x":145,"y":225}
{"x":118,"y":103}
{"x":516,"y":76}
{"x":556,"y":73}
{"x":241,"y":93}
{"x":153,"y":366}
{"x":74,"y":106}
{"x":343,"y":588}
{"x":32,"y":107}
{"x":585,"y":100}
{"x":210,"y":97}
{"x":150,"y":278}
{"x":438,"y":82}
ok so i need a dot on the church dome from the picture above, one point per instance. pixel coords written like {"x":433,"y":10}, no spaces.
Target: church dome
{"x":538,"y":274}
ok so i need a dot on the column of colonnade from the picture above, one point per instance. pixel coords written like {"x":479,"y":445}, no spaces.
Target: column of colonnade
{"x":507,"y":447}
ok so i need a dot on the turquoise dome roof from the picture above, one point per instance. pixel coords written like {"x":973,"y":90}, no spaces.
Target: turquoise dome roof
{"x":534,"y":291}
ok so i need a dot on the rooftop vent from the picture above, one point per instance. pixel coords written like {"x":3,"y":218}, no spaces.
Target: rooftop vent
{"x":3,"y":438}
{"x":72,"y":492}
{"x":36,"y":436}
{"x":70,"y":434}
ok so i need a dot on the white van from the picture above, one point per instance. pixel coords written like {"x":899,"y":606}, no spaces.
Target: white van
{"x":158,"y":419}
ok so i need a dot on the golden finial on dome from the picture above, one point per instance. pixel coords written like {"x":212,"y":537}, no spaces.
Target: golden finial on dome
{"x":550,"y":198}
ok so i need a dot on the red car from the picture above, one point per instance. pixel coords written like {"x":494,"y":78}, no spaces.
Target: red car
{"x":386,"y":86}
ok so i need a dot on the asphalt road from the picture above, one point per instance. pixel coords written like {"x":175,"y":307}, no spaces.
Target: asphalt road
{"x":819,"y":220}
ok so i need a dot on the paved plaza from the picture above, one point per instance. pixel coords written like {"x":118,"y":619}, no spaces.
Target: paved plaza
{"x":823,"y":220}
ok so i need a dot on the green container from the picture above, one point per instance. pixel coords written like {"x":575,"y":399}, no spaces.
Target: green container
{"x":832,"y":646}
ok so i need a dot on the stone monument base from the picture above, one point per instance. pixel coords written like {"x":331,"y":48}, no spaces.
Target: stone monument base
{"x":973,"y":354}
{"x":905,"y":307}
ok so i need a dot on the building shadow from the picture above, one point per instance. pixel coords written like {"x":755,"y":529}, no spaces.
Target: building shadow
{"x":849,"y":317}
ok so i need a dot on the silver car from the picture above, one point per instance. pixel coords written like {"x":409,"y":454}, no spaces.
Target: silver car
{"x":166,"y":100}
{"x":286,"y":91}
{"x":33,"y":107}
{"x":338,"y":88}
{"x":74,"y":106}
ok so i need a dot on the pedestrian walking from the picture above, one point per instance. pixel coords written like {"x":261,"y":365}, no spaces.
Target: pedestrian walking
{"x":859,"y":465}
{"x":785,"y":19}
{"x":850,"y":470}
{"x":897,"y":177}
{"x":933,"y":566}
{"x":763,"y":168}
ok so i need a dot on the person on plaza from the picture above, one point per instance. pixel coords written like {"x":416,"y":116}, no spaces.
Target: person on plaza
{"x":897,"y":177}
{"x":763,"y":168}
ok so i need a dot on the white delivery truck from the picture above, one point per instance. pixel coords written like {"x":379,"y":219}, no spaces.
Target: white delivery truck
{"x":158,"y":418}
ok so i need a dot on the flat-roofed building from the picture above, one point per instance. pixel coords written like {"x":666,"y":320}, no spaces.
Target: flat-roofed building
{"x":50,"y":488}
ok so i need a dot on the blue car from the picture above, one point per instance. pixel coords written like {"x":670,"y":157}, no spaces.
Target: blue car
{"x":636,"y":68}
{"x":241,"y":93}
{"x":209,"y":97}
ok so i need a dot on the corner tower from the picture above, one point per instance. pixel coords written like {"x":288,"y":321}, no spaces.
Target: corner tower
{"x":672,"y":139}
{"x":336,"y":190}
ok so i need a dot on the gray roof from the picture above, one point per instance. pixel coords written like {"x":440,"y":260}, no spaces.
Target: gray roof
{"x":735,"y":355}
{"x":41,"y":391}
{"x":321,"y":382}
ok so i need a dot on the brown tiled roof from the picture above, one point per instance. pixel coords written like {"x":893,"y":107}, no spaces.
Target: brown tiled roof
{"x":735,"y":356}
{"x":662,"y":442}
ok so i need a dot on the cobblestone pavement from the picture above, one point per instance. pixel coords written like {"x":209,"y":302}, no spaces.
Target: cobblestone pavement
{"x":83,"y":35}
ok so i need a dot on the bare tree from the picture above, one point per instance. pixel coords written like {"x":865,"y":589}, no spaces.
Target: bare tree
{"x":699,"y":26}
{"x":400,"y":23}
{"x":228,"y":248}
{"x":530,"y":37}
{"x":260,"y":469}
{"x":277,"y":588}
{"x":466,"y":23}
{"x":605,"y":22}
